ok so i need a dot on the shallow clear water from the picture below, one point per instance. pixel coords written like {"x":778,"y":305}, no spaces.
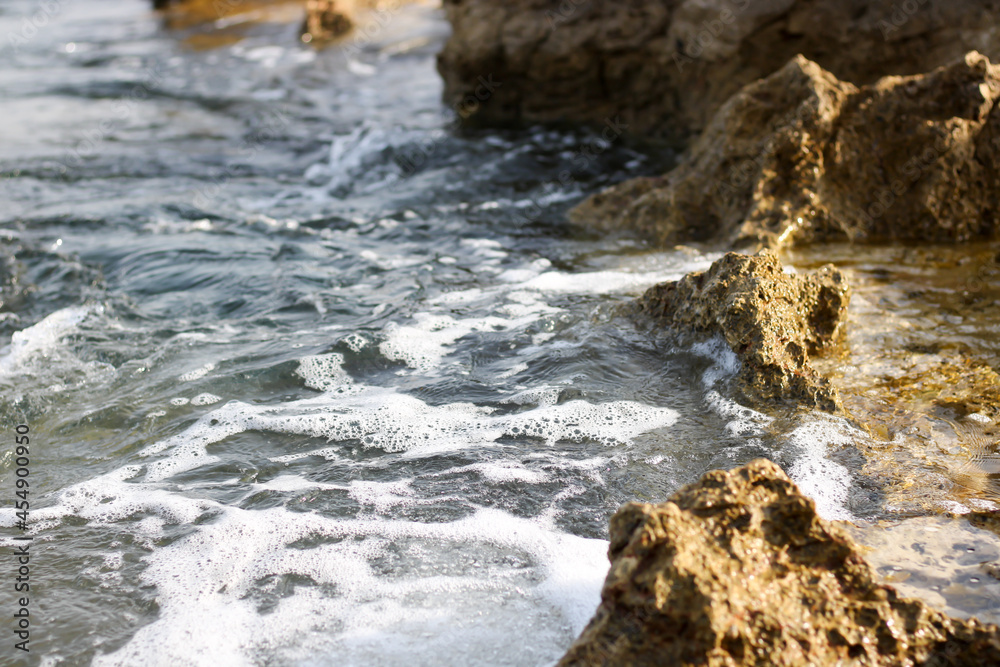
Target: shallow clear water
{"x":315,"y":378}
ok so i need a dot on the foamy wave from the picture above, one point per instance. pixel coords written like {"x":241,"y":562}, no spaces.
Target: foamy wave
{"x":385,"y":419}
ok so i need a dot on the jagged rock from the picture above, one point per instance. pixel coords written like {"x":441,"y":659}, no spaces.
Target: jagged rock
{"x":772,"y":320}
{"x":738,"y":569}
{"x":665,"y":66}
{"x":325,"y":20}
{"x":801,"y":156}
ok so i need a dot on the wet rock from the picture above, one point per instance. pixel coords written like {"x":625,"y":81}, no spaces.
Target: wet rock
{"x":325,"y":20}
{"x":801,"y":156}
{"x":738,"y":569}
{"x":665,"y":66}
{"x":772,"y":320}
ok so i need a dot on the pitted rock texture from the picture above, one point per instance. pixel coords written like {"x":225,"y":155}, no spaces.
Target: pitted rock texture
{"x":738,"y":570}
{"x":665,"y":66}
{"x":801,"y":156}
{"x":772,"y":320}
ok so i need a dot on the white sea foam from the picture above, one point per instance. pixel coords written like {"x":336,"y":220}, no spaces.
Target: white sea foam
{"x":725,"y":362}
{"x":324,"y":372}
{"x":42,"y":340}
{"x":423,"y":344}
{"x":469,"y":585}
{"x":205,"y":398}
{"x":385,"y":419}
{"x":503,"y":471}
{"x":197,"y":373}
{"x":826,"y":482}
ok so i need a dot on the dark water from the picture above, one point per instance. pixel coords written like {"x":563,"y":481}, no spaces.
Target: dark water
{"x":313,"y":377}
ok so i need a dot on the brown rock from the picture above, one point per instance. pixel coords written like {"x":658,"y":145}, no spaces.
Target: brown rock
{"x":325,"y":20}
{"x":801,"y":156}
{"x":738,"y":569}
{"x":665,"y":66}
{"x":186,"y":14}
{"x":772,"y":320}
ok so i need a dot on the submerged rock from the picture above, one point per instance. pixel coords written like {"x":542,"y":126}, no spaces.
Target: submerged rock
{"x":665,"y":66}
{"x":738,"y":569}
{"x":801,"y":156}
{"x":772,"y":320}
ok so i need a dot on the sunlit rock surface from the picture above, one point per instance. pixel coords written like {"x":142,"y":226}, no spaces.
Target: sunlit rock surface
{"x":738,"y":569}
{"x":772,"y":320}
{"x":801,"y":156}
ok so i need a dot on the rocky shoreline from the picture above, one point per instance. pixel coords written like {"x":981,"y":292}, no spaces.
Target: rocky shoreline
{"x":804,"y":122}
{"x":802,"y":157}
{"x":666,"y":67}
{"x":796,"y":137}
{"x":738,"y":569}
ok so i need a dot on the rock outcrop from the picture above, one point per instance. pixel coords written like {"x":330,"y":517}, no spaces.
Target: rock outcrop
{"x":665,"y":66}
{"x":738,"y":569}
{"x":772,"y":320}
{"x":801,"y":156}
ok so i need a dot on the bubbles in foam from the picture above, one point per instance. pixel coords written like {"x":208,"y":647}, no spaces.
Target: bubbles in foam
{"x":324,"y":372}
{"x":363,"y":586}
{"x":356,"y":342}
{"x":394,"y":422}
{"x":742,"y":421}
{"x":205,"y":399}
{"x":197,"y":373}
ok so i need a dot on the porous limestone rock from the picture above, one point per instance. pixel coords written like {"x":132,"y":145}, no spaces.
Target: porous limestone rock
{"x":772,"y":320}
{"x":665,"y":66}
{"x":738,"y":570}
{"x":801,"y":156}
